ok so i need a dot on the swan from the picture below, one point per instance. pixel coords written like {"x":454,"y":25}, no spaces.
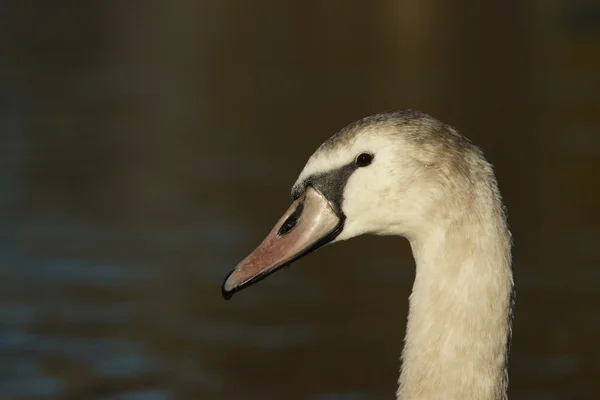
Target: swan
{"x":405,"y":173}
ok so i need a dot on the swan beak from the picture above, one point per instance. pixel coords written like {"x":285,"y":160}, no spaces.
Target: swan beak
{"x":308,"y":224}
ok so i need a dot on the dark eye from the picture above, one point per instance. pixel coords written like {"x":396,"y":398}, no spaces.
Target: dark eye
{"x":364,"y":159}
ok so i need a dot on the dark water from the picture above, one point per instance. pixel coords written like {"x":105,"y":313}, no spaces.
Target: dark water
{"x":146,"y":149}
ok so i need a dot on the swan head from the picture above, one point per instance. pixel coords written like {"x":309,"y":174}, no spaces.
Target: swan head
{"x":386,"y":174}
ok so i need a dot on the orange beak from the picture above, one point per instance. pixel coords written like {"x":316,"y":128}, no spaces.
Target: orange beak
{"x":308,"y":224}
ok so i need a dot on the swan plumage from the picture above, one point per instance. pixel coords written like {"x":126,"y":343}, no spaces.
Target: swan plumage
{"x":405,"y":173}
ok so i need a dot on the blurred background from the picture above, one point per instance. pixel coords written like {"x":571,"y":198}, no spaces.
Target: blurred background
{"x":147,"y":147}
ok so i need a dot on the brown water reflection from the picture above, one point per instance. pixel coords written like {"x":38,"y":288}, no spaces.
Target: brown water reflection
{"x":147,"y":148}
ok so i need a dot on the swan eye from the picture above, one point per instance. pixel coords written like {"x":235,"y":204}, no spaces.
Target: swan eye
{"x":364,"y":159}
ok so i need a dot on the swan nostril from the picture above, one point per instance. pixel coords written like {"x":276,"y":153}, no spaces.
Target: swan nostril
{"x":290,"y":223}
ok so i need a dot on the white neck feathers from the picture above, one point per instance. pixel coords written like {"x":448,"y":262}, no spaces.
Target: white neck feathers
{"x":458,"y":329}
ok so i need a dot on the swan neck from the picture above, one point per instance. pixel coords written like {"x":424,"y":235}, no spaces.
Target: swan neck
{"x":458,"y":329}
